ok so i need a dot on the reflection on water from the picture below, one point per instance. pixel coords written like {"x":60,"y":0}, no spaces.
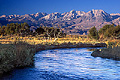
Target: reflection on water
{"x":68,"y":64}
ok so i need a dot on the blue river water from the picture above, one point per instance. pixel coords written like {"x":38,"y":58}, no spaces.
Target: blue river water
{"x":67,"y":64}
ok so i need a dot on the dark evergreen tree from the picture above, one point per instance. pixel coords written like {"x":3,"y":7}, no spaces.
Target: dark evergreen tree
{"x":94,"y":33}
{"x":40,"y":30}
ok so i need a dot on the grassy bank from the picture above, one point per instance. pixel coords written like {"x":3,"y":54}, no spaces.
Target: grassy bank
{"x":15,"y":55}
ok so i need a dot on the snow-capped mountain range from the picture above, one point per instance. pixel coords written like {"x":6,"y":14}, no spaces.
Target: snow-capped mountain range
{"x":71,"y":22}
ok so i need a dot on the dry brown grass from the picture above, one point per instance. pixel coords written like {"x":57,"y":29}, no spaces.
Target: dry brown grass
{"x":68,"y":39}
{"x":39,"y":40}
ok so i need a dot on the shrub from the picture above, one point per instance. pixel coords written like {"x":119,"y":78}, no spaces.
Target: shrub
{"x":15,"y":55}
{"x":110,"y":31}
{"x":104,"y":28}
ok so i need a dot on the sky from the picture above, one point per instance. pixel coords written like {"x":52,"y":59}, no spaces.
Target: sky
{"x":21,"y":7}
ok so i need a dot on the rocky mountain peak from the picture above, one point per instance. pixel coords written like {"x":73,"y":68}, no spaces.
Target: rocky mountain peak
{"x":73,"y":11}
{"x":99,"y":13}
{"x":3,"y":16}
{"x":53,"y":16}
{"x":39,"y":14}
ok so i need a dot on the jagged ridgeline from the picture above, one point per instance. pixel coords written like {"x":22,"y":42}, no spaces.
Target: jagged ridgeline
{"x":73,"y":22}
{"x":24,"y":29}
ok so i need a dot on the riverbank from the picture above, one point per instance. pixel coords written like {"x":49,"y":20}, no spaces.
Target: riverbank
{"x":68,"y":45}
{"x":111,"y":53}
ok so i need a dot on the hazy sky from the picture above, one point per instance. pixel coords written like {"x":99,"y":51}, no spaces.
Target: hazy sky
{"x":22,"y":7}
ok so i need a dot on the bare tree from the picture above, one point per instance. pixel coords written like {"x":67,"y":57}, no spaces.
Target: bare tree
{"x":57,"y":32}
{"x":53,"y":32}
{"x":48,"y":32}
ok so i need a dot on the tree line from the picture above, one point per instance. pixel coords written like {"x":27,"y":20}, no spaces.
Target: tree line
{"x":15,"y":29}
{"x":23,"y":29}
{"x":107,"y":31}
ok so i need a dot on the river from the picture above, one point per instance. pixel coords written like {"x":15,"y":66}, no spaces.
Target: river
{"x":67,"y":64}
